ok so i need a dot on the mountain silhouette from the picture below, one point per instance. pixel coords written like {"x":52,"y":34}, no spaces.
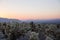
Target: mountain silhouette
{"x":52,"y":21}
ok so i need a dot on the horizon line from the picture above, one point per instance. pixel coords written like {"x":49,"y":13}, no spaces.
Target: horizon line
{"x":32,"y":19}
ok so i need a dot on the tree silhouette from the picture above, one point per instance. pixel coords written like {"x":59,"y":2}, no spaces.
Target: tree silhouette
{"x":32,"y":25}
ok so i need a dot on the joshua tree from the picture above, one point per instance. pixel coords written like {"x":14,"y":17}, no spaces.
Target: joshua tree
{"x":32,"y":26}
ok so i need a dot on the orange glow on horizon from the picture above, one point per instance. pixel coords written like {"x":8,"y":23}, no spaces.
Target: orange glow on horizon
{"x":28,"y":16}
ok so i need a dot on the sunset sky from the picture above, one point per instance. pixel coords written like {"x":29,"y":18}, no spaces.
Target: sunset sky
{"x":30,"y":9}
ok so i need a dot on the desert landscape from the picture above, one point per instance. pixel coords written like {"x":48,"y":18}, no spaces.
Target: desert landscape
{"x":14,"y":30}
{"x":29,"y":19}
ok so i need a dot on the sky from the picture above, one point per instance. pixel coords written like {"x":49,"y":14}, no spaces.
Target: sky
{"x":30,"y":9}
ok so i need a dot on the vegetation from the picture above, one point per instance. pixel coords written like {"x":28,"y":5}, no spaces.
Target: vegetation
{"x":29,"y":31}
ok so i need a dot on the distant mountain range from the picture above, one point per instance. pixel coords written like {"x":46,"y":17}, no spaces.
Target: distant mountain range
{"x":9,"y":20}
{"x":54,"y":21}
